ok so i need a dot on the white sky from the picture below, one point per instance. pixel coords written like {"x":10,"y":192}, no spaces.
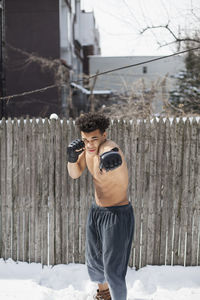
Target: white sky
{"x":120,"y":23}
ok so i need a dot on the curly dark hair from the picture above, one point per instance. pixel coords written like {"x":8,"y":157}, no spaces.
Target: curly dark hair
{"x":89,"y":122}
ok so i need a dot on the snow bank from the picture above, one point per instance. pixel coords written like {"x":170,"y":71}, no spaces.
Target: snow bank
{"x":23,"y":281}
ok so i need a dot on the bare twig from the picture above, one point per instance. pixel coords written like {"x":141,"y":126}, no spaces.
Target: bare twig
{"x":176,"y":38}
{"x":58,"y":66}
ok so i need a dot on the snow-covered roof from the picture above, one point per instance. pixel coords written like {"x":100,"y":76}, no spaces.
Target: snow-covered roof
{"x":87,"y":92}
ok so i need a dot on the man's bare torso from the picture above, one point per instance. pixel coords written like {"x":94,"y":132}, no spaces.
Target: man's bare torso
{"x":110,"y":187}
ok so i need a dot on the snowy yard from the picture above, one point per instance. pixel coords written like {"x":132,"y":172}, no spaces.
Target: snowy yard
{"x":23,"y":281}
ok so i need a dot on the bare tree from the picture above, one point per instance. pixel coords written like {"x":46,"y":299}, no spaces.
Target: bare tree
{"x":185,"y":98}
{"x":177,"y":35}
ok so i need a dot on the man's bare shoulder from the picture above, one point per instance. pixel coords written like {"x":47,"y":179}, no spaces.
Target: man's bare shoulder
{"x":107,"y":146}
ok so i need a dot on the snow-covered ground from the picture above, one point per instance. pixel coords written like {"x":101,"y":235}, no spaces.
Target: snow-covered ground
{"x":23,"y":281}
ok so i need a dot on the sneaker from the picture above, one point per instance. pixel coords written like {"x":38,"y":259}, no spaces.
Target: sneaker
{"x":103,"y":295}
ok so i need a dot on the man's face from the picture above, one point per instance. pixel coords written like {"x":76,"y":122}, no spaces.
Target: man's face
{"x":93,"y":140}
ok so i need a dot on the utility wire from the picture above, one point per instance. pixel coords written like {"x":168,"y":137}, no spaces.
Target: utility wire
{"x":140,"y":63}
{"x":29,"y":92}
{"x":98,"y":74}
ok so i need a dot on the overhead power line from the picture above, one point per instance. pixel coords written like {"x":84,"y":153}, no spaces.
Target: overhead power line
{"x":141,"y":63}
{"x":99,"y":74}
{"x":30,"y":92}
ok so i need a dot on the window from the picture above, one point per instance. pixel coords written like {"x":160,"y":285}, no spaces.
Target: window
{"x":144,"y":69}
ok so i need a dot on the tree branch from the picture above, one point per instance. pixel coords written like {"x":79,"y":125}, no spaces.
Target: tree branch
{"x":175,"y":37}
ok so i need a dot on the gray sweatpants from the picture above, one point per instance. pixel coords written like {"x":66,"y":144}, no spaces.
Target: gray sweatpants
{"x":109,"y":235}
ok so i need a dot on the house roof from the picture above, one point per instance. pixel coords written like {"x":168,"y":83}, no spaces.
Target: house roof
{"x":88,"y":92}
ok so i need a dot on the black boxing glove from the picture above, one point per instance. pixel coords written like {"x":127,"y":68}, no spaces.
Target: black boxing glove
{"x":71,"y":150}
{"x":110,"y":160}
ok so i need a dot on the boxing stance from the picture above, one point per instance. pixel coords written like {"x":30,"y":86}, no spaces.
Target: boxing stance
{"x":110,"y":223}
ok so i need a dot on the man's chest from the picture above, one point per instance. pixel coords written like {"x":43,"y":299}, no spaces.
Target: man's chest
{"x":93,"y":166}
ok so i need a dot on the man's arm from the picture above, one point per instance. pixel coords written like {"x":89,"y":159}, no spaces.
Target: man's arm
{"x":76,"y":158}
{"x":76,"y":169}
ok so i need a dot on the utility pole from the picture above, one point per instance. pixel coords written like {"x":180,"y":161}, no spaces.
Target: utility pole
{"x":91,"y":97}
{"x":64,"y":77}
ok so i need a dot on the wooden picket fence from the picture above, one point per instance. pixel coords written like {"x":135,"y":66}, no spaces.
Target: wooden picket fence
{"x":43,"y":211}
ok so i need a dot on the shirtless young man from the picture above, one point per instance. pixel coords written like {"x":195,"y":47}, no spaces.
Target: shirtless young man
{"x":110,"y":223}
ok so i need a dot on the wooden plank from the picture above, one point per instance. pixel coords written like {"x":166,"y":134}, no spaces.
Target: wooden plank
{"x":120,"y":134}
{"x":8,"y":209}
{"x":3,"y":185}
{"x":64,"y":179}
{"x":133,"y":160}
{"x":83,"y":215}
{"x":45,"y":192}
{"x":77,"y":199}
{"x":58,"y":182}
{"x":133,"y":190}
{"x":184,"y":195}
{"x":9,"y":204}
{"x":0,"y":195}
{"x":145,"y":187}
{"x":177,"y":151}
{"x":160,"y":233}
{"x":70,"y":202}
{"x":52,"y":150}
{"x":127,"y":154}
{"x":197,"y":196}
{"x":161,"y":169}
{"x":33,"y":158}
{"x":192,"y":236}
{"x":20,"y":199}
{"x":26,"y":234}
{"x":1,"y":254}
{"x":195,"y":255}
{"x":126,"y":141}
{"x":168,"y":197}
{"x":109,"y":130}
{"x":81,"y":211}
{"x":140,"y":191}
{"x":173,"y":137}
{"x":27,"y":190}
{"x":139,"y":194}
{"x":114,"y":130}
{"x":38,"y":196}
{"x":152,"y":200}
{"x":170,"y":205}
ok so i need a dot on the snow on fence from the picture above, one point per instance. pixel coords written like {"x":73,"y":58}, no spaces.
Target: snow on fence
{"x":43,"y":211}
